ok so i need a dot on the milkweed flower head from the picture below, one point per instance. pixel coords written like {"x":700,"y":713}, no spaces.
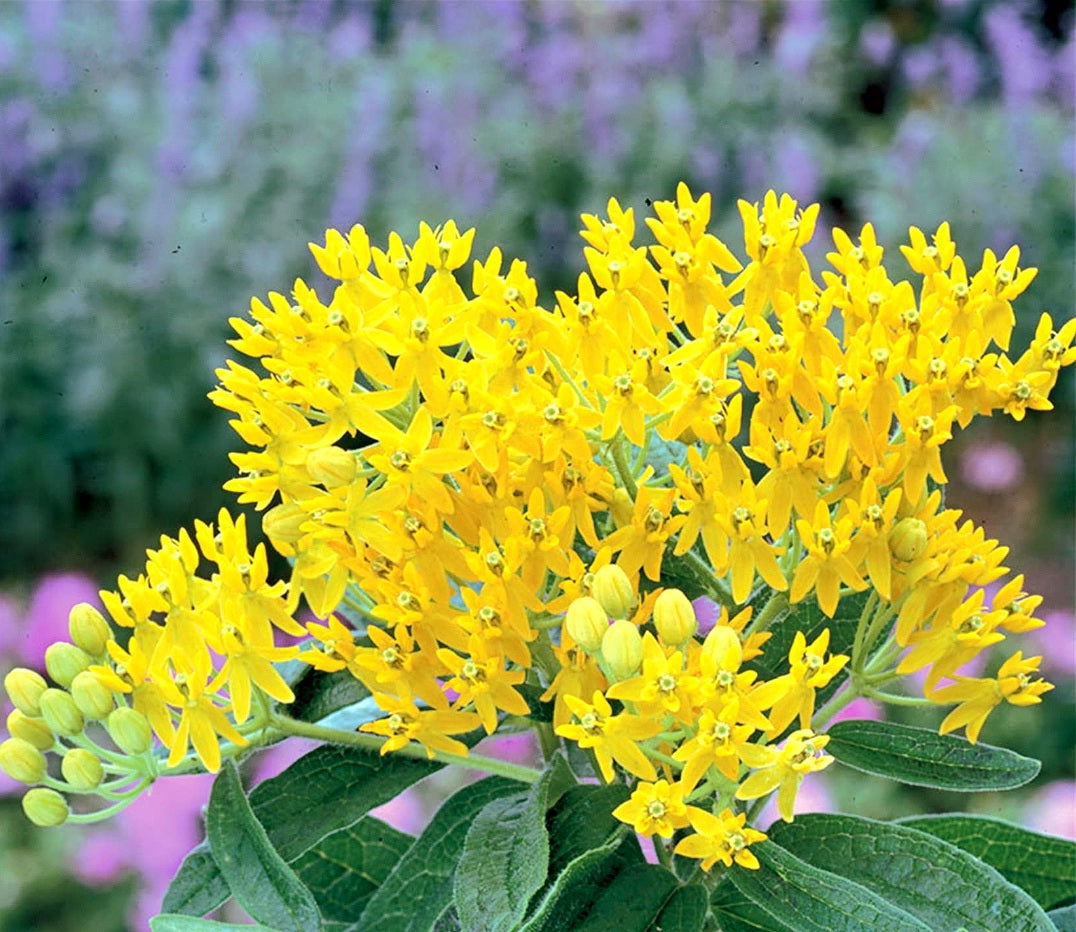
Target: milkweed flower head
{"x":487,"y":500}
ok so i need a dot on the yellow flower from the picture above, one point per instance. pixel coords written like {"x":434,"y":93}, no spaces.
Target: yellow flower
{"x":613,"y":737}
{"x":655,"y":809}
{"x":724,"y":837}
{"x":826,"y":565}
{"x":783,"y":768}
{"x":809,"y":671}
{"x":406,"y":722}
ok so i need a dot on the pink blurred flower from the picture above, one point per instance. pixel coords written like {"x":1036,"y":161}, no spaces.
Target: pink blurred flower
{"x":813,"y":796}
{"x":1056,"y":641}
{"x":862,"y":709}
{"x":46,"y":618}
{"x":1053,"y":809}
{"x":992,"y":467}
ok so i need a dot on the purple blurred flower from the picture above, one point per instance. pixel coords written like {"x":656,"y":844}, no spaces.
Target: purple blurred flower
{"x":862,"y":709}
{"x":1056,"y":641}
{"x":707,"y":611}
{"x":813,"y":796}
{"x":961,"y":69}
{"x":150,"y":838}
{"x":801,"y":33}
{"x":877,"y":42}
{"x":1024,"y":64}
{"x":1053,"y":809}
{"x":46,"y":618}
{"x":995,"y":466}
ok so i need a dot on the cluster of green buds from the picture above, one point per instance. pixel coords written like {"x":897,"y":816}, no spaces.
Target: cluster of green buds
{"x":103,"y":748}
{"x":604,"y":625}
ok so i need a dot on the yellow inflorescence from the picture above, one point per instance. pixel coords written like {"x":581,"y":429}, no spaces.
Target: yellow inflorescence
{"x":460,"y":469}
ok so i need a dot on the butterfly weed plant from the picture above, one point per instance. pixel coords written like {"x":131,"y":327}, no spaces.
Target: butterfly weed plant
{"x":506,"y":516}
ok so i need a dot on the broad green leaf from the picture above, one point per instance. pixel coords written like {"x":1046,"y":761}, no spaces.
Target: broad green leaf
{"x":685,"y":911}
{"x":198,"y":887}
{"x":928,"y":878}
{"x":319,"y":694}
{"x":256,"y":874}
{"x":807,"y":617}
{"x":807,"y":899}
{"x":586,"y":844}
{"x":323,"y":792}
{"x":922,"y":757}
{"x":172,"y":922}
{"x":1063,"y":919}
{"x":327,"y":790}
{"x":737,"y":913}
{"x":345,"y":869}
{"x":506,"y":855}
{"x":571,"y":893}
{"x":419,"y":889}
{"x":1042,"y":865}
{"x":631,"y":902}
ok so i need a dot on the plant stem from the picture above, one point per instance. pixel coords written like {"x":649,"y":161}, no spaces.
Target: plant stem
{"x":777,"y":603}
{"x":622,"y":467}
{"x":292,"y":726}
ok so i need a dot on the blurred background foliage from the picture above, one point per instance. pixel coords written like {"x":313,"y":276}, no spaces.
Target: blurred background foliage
{"x":161,"y":162}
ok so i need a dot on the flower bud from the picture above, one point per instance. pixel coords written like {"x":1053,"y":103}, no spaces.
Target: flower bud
{"x":24,"y":688}
{"x":332,"y":467}
{"x":282,"y":523}
{"x":45,"y":807}
{"x":82,"y":770}
{"x":621,"y":507}
{"x":613,"y":589}
{"x":586,"y":622}
{"x":21,"y":761}
{"x":622,"y":649}
{"x":674,"y":617}
{"x":130,"y":731}
{"x":93,"y":698}
{"x":88,"y":629}
{"x":908,"y":539}
{"x":30,"y":729}
{"x":65,"y":661}
{"x":61,"y":714}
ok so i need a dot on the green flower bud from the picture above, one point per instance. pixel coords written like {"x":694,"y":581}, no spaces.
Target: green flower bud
{"x":908,"y":539}
{"x":281,"y":524}
{"x":130,"y":731}
{"x":674,"y":617}
{"x":24,"y":688}
{"x":45,"y":807}
{"x":82,"y":770}
{"x":65,"y":661}
{"x":587,"y":622}
{"x":622,"y":649}
{"x":93,"y":698}
{"x":21,"y":761}
{"x":612,"y":588}
{"x":30,"y":729}
{"x":61,"y":714}
{"x":332,"y":467}
{"x":88,"y":629}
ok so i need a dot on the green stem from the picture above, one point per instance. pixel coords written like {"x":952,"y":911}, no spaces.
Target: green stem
{"x":778,"y":603}
{"x":102,"y":814}
{"x":292,"y":726}
{"x":664,"y":858}
{"x":894,"y":699}
{"x":622,"y":467}
{"x":835,"y":704}
{"x":861,"y":630}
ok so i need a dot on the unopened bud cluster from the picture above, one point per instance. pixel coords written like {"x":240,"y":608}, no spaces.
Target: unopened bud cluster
{"x":100,"y":742}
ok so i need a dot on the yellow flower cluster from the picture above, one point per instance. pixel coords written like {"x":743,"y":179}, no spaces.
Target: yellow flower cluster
{"x":491,"y":492}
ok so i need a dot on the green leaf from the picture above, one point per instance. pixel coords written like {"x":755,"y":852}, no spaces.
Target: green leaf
{"x":737,"y":913}
{"x":807,"y":899}
{"x":256,"y":874}
{"x":632,"y":902}
{"x":171,"y":922}
{"x":198,"y":887}
{"x":685,"y":911}
{"x":506,"y":855}
{"x":586,"y":845}
{"x":419,"y":889}
{"x":345,"y":869}
{"x":328,"y":789}
{"x":1064,"y":919}
{"x":922,"y":757}
{"x":571,"y":893}
{"x":323,"y":792}
{"x":928,"y":878}
{"x":1042,"y":865}
{"x":807,"y":617}
{"x":319,"y":694}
